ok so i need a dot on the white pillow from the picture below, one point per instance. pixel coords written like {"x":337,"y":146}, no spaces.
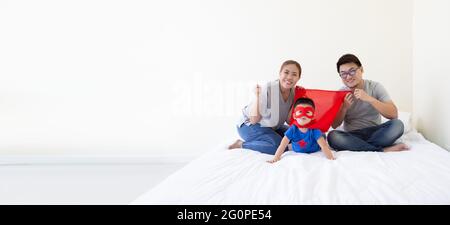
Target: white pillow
{"x":405,"y":117}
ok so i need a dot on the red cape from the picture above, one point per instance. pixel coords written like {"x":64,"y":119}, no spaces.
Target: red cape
{"x":327,"y":105}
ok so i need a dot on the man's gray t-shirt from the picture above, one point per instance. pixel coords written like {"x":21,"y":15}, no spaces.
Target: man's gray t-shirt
{"x":362,"y":114}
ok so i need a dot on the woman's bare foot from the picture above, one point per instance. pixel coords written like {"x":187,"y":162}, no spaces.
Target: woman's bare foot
{"x":236,"y":144}
{"x":396,"y":148}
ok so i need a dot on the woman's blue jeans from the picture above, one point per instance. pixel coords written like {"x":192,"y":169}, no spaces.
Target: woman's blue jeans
{"x":261,"y":139}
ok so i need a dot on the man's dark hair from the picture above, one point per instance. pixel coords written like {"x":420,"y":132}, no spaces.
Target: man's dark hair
{"x":306,"y":101}
{"x":348,"y":58}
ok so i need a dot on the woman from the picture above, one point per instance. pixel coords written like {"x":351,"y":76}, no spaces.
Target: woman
{"x":262,"y":125}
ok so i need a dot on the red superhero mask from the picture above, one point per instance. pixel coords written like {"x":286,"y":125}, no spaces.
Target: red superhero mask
{"x":301,"y":111}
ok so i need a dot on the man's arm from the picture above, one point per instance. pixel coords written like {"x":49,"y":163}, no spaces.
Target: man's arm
{"x":386,"y":109}
{"x":339,"y":117}
{"x":348,"y":101}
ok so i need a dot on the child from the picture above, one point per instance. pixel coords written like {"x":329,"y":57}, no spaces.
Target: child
{"x":303,"y":140}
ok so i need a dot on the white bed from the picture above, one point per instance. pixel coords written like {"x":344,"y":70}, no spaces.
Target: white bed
{"x":221,"y":176}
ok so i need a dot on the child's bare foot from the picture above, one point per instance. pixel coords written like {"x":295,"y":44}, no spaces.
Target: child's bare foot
{"x":236,"y":144}
{"x":396,"y":148}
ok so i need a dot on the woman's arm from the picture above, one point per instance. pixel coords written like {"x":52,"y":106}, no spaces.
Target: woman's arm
{"x":284,"y":143}
{"x":255,"y":115}
{"x":325,"y":148}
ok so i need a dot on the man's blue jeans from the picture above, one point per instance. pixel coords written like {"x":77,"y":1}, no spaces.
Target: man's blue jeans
{"x":368,"y":139}
{"x":261,"y":139}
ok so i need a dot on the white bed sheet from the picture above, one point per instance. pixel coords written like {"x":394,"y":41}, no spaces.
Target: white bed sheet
{"x":221,"y":176}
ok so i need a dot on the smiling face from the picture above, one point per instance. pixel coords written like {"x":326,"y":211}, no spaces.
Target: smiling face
{"x":351,"y":74}
{"x":303,"y":114}
{"x":289,"y":76}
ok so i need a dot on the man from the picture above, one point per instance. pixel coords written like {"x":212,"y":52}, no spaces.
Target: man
{"x":361,"y":113}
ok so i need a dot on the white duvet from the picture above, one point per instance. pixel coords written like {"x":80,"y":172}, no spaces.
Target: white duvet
{"x":221,"y":176}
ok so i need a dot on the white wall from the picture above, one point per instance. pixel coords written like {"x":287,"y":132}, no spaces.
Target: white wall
{"x":432,"y":70}
{"x":170,"y":77}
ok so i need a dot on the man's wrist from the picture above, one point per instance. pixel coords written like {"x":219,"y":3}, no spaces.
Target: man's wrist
{"x":345,"y":108}
{"x":372,"y":100}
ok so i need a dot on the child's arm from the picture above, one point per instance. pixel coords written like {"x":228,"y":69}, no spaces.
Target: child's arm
{"x":325,"y":148}
{"x":284,"y":143}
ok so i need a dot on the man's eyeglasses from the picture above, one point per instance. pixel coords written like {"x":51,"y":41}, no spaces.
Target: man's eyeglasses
{"x":351,"y":72}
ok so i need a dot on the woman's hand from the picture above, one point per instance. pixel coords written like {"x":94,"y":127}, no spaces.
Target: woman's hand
{"x":255,"y":115}
{"x":257,"y":90}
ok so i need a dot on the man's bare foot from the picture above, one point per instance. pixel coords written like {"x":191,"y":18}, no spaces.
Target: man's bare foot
{"x":236,"y":144}
{"x":396,"y":148}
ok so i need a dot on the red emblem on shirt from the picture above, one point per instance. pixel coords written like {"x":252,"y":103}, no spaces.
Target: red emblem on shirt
{"x":302,"y":143}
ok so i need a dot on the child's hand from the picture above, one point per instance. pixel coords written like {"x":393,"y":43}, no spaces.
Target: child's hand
{"x":330,"y":156}
{"x":274,"y":160}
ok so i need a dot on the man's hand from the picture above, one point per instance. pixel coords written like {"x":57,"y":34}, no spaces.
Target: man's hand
{"x":274,"y":160}
{"x":348,"y":101}
{"x":361,"y":94}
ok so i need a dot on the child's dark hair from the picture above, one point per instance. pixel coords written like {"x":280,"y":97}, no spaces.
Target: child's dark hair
{"x":306,"y":101}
